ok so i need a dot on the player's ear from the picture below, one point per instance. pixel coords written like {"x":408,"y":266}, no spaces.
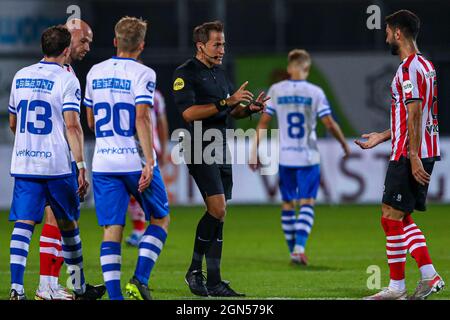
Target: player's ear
{"x":115,"y":42}
{"x":66,"y":52}
{"x":397,"y":33}
{"x":141,"y":46}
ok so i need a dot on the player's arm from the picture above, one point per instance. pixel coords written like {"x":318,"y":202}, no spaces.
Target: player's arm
{"x":144,"y":132}
{"x":75,"y":138}
{"x":263,"y":124}
{"x":90,"y":119}
{"x":12,"y":109}
{"x":373,"y":139}
{"x":89,"y":104}
{"x":12,"y":122}
{"x":415,"y":140}
{"x":336,"y":131}
{"x":74,"y":131}
{"x":163,"y":134}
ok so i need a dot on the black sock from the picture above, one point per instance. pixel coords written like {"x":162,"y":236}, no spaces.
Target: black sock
{"x":213,"y":258}
{"x":206,"y":230}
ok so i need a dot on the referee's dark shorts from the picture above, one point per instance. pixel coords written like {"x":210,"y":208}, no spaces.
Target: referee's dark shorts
{"x":401,"y":190}
{"x":212,"y":179}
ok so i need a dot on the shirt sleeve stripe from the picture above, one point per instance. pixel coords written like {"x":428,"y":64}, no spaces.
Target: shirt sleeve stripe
{"x":87,"y":103}
{"x":71,"y":109}
{"x":412,"y":100}
{"x":325,"y":110}
{"x":270,"y":111}
{"x":86,"y":99}
{"x":145,"y":102}
{"x":323,"y":114}
{"x":12,"y":111}
{"x":71,"y":104}
{"x":143,"y":96}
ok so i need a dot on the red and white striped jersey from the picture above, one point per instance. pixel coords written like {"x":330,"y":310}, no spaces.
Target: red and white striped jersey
{"x":415,"y":80}
{"x":159,"y":108}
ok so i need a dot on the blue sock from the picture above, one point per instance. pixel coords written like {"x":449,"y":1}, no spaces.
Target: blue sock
{"x":19,"y":246}
{"x":73,"y":257}
{"x":149,"y":249}
{"x":288,"y":226}
{"x":110,"y":259}
{"x":305,"y":221}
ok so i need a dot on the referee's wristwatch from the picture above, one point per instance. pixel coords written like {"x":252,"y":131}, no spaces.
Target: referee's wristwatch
{"x":221,"y":105}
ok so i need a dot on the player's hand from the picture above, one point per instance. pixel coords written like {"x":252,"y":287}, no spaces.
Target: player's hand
{"x":83,"y":184}
{"x":373,"y":139}
{"x":259,"y":104}
{"x":241,"y":95}
{"x":146,"y":177}
{"x":254,"y":163}
{"x":418,"y":171}
{"x":346,"y":149}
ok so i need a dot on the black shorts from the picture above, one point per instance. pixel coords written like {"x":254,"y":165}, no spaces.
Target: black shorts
{"x":401,"y":190}
{"x":212,"y":179}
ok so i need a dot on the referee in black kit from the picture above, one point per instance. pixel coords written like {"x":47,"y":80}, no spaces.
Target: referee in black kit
{"x":203,"y":93}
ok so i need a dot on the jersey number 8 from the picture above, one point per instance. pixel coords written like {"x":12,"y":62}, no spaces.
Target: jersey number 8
{"x":296,"y":120}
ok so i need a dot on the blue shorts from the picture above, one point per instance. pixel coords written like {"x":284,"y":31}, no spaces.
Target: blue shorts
{"x":112,"y":195}
{"x":299,"y":183}
{"x":31,"y":195}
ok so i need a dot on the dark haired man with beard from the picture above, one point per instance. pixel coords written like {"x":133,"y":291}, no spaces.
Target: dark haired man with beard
{"x":414,"y":135}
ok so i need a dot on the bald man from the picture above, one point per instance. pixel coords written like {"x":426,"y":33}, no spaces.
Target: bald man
{"x":82,"y":37}
{"x":51,"y":259}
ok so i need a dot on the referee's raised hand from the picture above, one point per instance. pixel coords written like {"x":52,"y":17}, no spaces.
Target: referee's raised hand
{"x":259,"y":104}
{"x":241,"y":95}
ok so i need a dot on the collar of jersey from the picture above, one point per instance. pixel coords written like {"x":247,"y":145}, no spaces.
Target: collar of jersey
{"x":120,"y":58}
{"x":418,"y":53}
{"x":296,"y":80}
{"x":198,"y":62}
{"x":46,"y":62}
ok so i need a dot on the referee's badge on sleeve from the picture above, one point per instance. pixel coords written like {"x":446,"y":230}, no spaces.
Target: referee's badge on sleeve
{"x":178,"y":84}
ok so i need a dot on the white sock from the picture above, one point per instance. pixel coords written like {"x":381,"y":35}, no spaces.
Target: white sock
{"x":17,"y":287}
{"x":45,"y":282}
{"x":427,"y":271}
{"x":397,"y":285}
{"x":299,"y":249}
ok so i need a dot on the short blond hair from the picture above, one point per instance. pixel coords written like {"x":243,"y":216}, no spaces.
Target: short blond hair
{"x":299,"y":57}
{"x":130,"y":32}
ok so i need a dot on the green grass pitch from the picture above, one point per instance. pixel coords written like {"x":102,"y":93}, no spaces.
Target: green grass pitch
{"x":345,"y":241}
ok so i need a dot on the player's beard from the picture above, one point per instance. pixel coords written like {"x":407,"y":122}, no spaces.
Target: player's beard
{"x":394,"y":48}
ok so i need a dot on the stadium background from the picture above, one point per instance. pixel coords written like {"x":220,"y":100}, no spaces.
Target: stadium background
{"x":351,"y":63}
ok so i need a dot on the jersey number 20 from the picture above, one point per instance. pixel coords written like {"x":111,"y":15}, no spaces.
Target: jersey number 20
{"x":114,"y":113}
